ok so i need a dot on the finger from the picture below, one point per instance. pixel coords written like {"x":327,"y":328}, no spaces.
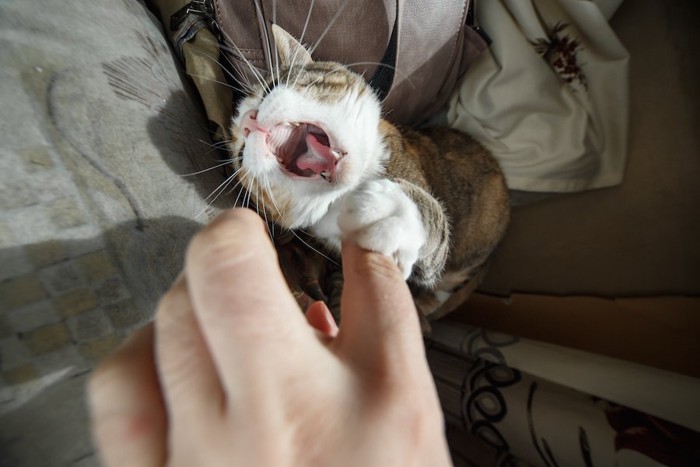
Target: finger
{"x":320,"y":318}
{"x":191,"y":387}
{"x":246,"y":312}
{"x":128,"y":417}
{"x":380,"y":323}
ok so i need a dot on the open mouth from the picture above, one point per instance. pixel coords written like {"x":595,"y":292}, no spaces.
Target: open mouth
{"x":302,"y":149}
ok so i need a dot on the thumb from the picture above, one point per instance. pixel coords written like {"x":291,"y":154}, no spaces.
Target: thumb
{"x":380,"y":323}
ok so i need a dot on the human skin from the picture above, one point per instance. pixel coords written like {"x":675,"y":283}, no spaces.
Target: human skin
{"x":232,"y":373}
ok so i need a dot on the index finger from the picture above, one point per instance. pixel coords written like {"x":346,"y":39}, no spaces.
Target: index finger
{"x":241,"y":301}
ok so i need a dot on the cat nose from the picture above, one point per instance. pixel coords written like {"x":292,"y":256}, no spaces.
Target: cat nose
{"x":249,"y":123}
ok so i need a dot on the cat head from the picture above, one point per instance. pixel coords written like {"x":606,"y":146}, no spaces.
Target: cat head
{"x":305,"y":136}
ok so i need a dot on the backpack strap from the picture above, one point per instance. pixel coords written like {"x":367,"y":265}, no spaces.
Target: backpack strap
{"x":384,"y":76}
{"x":434,"y":49}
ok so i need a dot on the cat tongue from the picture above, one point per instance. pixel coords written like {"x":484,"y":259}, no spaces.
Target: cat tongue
{"x":317,"y":158}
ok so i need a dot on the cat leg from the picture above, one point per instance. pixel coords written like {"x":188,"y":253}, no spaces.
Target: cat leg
{"x":434,"y":252}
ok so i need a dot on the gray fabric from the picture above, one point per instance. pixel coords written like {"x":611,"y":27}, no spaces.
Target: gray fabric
{"x":97,"y":132}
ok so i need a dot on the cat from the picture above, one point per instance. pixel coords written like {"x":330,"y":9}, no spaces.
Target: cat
{"x":313,"y":151}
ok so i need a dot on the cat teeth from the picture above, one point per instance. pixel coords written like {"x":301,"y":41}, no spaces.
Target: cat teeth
{"x":338,"y":154}
{"x":326,"y":175}
{"x":291,"y":124}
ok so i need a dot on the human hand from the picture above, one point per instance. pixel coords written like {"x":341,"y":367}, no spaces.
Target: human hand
{"x":233,"y":374}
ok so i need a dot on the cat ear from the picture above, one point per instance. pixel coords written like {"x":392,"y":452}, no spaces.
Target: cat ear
{"x":289,"y":50}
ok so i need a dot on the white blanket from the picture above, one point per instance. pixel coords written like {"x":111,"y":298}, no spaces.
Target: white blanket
{"x":553,"y":113}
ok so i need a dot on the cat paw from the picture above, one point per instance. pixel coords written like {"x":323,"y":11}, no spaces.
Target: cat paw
{"x":380,"y":217}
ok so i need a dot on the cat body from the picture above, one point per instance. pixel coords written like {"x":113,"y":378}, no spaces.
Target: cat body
{"x":314,"y":152}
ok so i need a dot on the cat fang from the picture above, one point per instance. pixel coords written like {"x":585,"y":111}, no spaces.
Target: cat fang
{"x":303,"y":150}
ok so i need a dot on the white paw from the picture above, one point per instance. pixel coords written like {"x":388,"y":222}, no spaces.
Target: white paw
{"x":380,"y":217}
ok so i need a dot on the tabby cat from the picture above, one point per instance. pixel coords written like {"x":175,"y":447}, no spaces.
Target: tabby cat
{"x":315,"y":153}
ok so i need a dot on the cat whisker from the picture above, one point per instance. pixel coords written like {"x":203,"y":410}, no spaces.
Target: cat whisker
{"x":222,"y":186}
{"x":213,"y":149}
{"x":234,"y":49}
{"x":330,"y":25}
{"x":246,"y":200}
{"x":274,"y":203}
{"x":219,"y":146}
{"x":403,"y":75}
{"x":230,"y":86}
{"x":297,"y":52}
{"x":240,"y":191}
{"x":312,"y":248}
{"x":244,"y":190}
{"x":216,"y":144}
{"x":223,"y":67}
{"x":244,"y":79}
{"x":306,"y":24}
{"x":257,"y":195}
{"x":270,"y":225}
{"x":272,"y":196}
{"x":220,"y":189}
{"x":266,"y":39}
{"x":370,"y":63}
{"x":277,"y":56}
{"x":264,"y":213}
{"x":207,"y":169}
{"x":318,"y":41}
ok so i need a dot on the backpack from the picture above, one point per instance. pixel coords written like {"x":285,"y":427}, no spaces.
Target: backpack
{"x":411,"y":52}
